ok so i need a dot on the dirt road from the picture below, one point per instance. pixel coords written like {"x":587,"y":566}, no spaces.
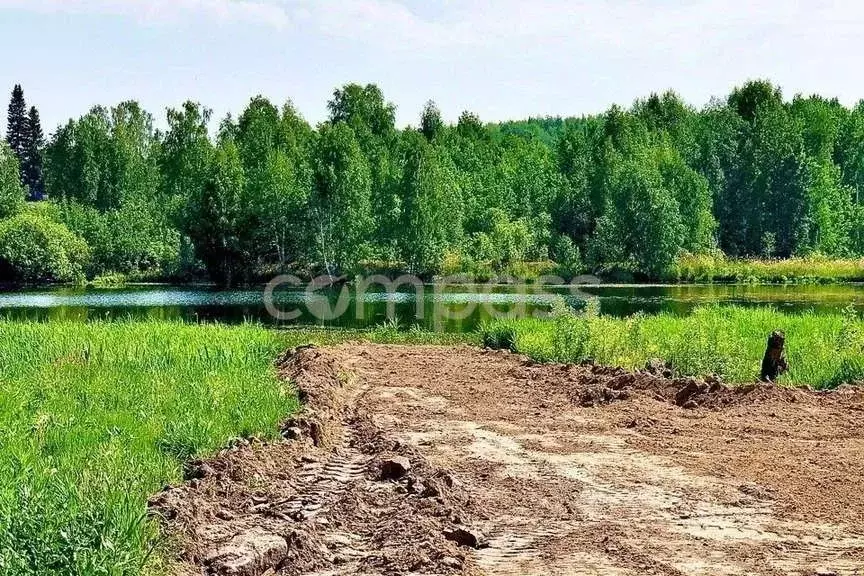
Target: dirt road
{"x":407,"y":452}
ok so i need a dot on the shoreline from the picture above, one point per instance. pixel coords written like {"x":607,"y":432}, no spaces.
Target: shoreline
{"x":10,"y":289}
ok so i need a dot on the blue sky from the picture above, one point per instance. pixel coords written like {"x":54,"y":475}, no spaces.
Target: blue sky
{"x":499,"y":58}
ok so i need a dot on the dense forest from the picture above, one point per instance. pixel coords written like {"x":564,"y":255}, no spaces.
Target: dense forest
{"x":629,"y":190}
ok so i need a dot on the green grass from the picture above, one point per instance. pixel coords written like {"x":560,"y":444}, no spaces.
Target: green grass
{"x":718,"y":268}
{"x":823,"y":350}
{"x":96,"y":417}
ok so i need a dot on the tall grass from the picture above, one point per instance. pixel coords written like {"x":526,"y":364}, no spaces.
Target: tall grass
{"x":823,"y":350}
{"x":95,"y":417}
{"x":719,"y":268}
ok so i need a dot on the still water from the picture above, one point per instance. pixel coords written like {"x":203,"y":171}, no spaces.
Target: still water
{"x":451,"y":308}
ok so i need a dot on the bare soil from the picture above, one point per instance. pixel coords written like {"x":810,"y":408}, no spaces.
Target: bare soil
{"x":456,"y":460}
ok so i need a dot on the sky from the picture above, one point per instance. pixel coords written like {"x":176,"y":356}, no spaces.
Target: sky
{"x":502,"y":59}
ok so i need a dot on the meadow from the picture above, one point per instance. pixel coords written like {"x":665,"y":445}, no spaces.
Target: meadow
{"x":824,"y":350}
{"x":800,"y":270}
{"x":95,"y":417}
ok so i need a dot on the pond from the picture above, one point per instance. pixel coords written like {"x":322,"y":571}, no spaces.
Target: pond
{"x":450,"y":308}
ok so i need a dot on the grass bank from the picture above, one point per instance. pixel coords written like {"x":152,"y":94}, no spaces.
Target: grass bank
{"x":96,"y":417}
{"x":718,"y":268}
{"x":824,"y":350}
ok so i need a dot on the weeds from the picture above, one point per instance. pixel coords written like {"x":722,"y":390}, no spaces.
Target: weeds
{"x":824,"y":351}
{"x":719,"y":268}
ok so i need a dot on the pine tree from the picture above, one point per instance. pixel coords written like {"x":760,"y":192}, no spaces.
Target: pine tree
{"x":18,"y":129}
{"x":430,"y":121}
{"x":32,"y":171}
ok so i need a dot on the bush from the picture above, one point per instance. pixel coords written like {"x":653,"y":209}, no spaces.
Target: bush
{"x":499,"y":335}
{"x":567,"y":256}
{"x":35,"y":249}
{"x":132,"y":241}
{"x":505,"y":241}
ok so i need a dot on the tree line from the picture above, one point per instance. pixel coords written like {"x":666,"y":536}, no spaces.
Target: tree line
{"x":628,"y":190}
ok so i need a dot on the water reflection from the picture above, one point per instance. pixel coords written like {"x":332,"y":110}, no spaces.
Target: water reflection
{"x":454,"y":308}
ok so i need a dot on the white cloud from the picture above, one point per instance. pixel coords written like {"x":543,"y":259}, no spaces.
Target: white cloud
{"x":618,"y":24}
{"x":255,"y":11}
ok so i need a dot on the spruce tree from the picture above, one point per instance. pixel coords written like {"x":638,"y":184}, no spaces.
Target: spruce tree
{"x":17,"y":131}
{"x":32,"y":171}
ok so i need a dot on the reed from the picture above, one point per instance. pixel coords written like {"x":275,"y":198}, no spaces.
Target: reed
{"x":718,"y":268}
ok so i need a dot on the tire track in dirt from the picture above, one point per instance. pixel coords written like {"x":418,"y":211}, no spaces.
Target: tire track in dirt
{"x":323,"y":482}
{"x":317,"y":505}
{"x":497,"y":420}
{"x":761,"y":481}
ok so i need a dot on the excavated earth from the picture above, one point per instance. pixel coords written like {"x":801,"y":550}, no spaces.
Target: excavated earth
{"x":456,"y":460}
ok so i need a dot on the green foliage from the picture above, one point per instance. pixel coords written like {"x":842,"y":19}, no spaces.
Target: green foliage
{"x":186,"y":154}
{"x":372,"y":120}
{"x":34,"y":248}
{"x":752,"y":98}
{"x":470,"y":127}
{"x":26,"y":140}
{"x":280,"y":184}
{"x":825,"y":225}
{"x":32,"y":168}
{"x":362,"y":108}
{"x":218,"y":218}
{"x":642,"y":226}
{"x":132,"y":240}
{"x":341,"y":203}
{"x":504,"y":241}
{"x":17,"y":136}
{"x":548,"y":130}
{"x":431,"y":223}
{"x":105,"y":158}
{"x":824,"y":350}
{"x":105,"y":170}
{"x":11,"y":191}
{"x":632,"y":189}
{"x":431,"y":123}
{"x":849,"y":149}
{"x":693,"y":198}
{"x":716,"y":267}
{"x":566,"y":254}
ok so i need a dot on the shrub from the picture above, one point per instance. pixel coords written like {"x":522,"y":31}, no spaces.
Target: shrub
{"x":567,"y":256}
{"x":35,"y":249}
{"x":133,"y":241}
{"x":499,"y":335}
{"x":504,"y":240}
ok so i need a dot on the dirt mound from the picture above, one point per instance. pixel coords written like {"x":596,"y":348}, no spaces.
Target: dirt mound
{"x":589,"y":384}
{"x":321,"y":389}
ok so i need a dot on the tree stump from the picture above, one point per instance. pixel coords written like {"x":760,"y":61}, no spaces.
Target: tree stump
{"x":774,"y":362}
